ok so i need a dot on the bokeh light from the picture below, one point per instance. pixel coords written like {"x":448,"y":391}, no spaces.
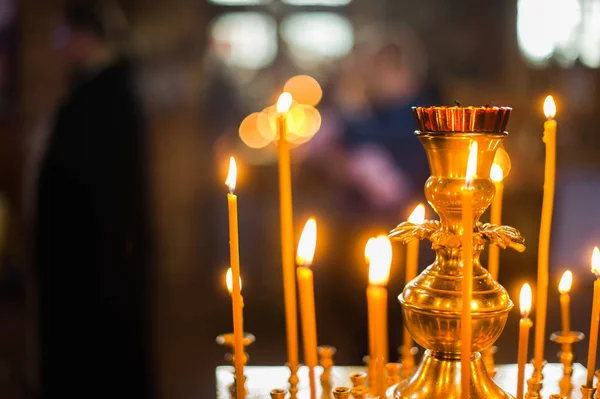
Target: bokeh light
{"x":249,"y":132}
{"x":304,"y":89}
{"x":503,"y":160}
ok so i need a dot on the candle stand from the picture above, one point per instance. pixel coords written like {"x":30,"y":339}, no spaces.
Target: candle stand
{"x":566,"y":357}
{"x":431,"y":303}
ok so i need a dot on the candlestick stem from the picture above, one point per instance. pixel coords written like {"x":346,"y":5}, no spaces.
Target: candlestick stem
{"x":534,"y":384}
{"x":293,"y":380}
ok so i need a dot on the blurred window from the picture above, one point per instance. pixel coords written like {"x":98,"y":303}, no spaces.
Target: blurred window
{"x":245,"y":39}
{"x":565,"y":30}
{"x":326,"y":3}
{"x":239,"y":2}
{"x":317,"y":36}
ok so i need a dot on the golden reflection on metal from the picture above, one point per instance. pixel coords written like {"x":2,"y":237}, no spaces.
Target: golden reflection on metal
{"x":566,"y":357}
{"x":407,"y":359}
{"x":489,"y":361}
{"x":431,"y":303}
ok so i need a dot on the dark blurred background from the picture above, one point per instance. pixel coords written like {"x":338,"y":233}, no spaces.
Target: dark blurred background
{"x":202,"y":66}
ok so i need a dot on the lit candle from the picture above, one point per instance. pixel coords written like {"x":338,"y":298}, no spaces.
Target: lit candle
{"x":591,"y":364}
{"x":287,"y":233}
{"x":467,"y":268}
{"x":304,"y":258}
{"x":380,"y":260}
{"x":497,"y":176}
{"x":564,"y":287}
{"x":412,"y":266}
{"x":524,"y":326}
{"x":545,"y":226}
{"x":237,"y":301}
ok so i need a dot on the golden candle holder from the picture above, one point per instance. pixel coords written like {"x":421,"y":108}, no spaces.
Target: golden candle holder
{"x":293,"y":380}
{"x":587,"y":393}
{"x":326,"y":354}
{"x":227,"y":341}
{"x":341,"y":392}
{"x":278,"y":393}
{"x":534,"y":384}
{"x":359,"y":390}
{"x":566,"y":357}
{"x":431,"y":303}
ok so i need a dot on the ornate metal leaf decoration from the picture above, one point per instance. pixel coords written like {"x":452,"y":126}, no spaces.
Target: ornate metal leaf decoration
{"x":502,"y":236}
{"x":408,"y":231}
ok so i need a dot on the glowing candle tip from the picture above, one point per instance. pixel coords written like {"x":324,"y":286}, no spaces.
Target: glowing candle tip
{"x":596,"y":261}
{"x":549,"y":107}
{"x":231,"y":175}
{"x":565,"y":282}
{"x":525,"y":298}
{"x":496,"y":173}
{"x":284,"y":102}
{"x":380,"y":257}
{"x":307,"y":243}
{"x":418,"y":215}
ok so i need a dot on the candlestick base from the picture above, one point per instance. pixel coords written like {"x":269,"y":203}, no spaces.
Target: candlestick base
{"x":393,"y":373}
{"x":359,"y":390}
{"x":587,"y":393}
{"x":370,"y":374}
{"x":566,"y":357}
{"x":293,"y":380}
{"x":326,"y":354}
{"x":489,"y":361}
{"x":407,"y":359}
{"x":534,"y":384}
{"x":278,"y":393}
{"x":439,"y":377}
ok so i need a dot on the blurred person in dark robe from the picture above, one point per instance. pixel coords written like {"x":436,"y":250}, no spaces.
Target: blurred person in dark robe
{"x":92,"y":249}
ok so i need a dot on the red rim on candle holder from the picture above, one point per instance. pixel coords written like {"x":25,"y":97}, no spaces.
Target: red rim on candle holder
{"x":462,"y":119}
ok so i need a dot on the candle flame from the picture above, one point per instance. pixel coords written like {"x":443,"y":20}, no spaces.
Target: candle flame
{"x":549,"y":107}
{"x":418,"y":215}
{"x":231,"y":175}
{"x":496,"y":173}
{"x":307,"y":243}
{"x":229,"y":281}
{"x":380,"y":261}
{"x":471,"y":165}
{"x":525,"y":300}
{"x":369,"y":247}
{"x":284,"y":102}
{"x":596,"y":261}
{"x":565,"y":282}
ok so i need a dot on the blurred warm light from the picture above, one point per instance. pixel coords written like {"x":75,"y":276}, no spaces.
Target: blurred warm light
{"x":284,"y":102}
{"x":565,"y":282}
{"x":380,"y":257}
{"x":307,"y":243}
{"x":596,"y":261}
{"x":418,"y":215}
{"x":471,"y":164}
{"x":231,"y":175}
{"x":503,"y":160}
{"x":229,"y":281}
{"x":267,"y":123}
{"x":496,"y":173}
{"x":525,"y":298}
{"x":549,"y":107}
{"x":305,"y":89}
{"x":325,"y":3}
{"x":559,"y":28}
{"x":251,"y":134}
{"x":369,"y":248}
{"x":303,"y":123}
{"x":317,"y":36}
{"x":245,"y":39}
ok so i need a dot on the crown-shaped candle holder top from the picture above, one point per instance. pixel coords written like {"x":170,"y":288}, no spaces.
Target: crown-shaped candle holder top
{"x":431,"y":303}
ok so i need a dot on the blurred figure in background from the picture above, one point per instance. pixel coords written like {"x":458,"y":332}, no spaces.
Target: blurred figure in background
{"x":92,"y":249}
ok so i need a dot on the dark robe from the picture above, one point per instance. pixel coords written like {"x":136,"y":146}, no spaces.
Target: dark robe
{"x":92,"y":248}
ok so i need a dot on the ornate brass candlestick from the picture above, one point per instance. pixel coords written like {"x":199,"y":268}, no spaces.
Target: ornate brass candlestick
{"x":566,"y":357}
{"x":326,"y":354}
{"x":227,"y":340}
{"x":431,"y":303}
